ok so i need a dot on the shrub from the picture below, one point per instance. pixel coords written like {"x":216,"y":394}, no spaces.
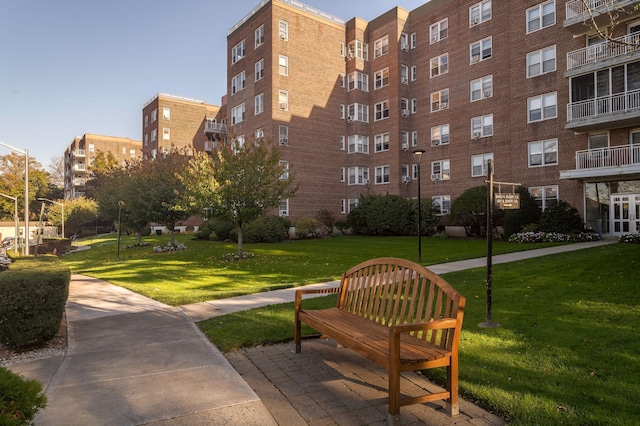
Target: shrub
{"x":561,"y":217}
{"x":630,"y":238}
{"x":469,"y":210}
{"x":516,"y":220}
{"x":33,"y":294}
{"x":266,"y":229}
{"x":552,"y":237}
{"x":205,"y":230}
{"x":390,"y":215}
{"x":222,"y":230}
{"x":326,"y":218}
{"x":19,"y":399}
{"x":309,"y":228}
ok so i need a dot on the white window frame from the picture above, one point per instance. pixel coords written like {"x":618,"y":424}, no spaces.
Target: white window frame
{"x":482,"y":126}
{"x":343,"y":174}
{"x":414,"y":138}
{"x":238,"y":51}
{"x":545,"y":195}
{"x":441,"y":169}
{"x":358,"y":144}
{"x":283,"y":208}
{"x":154,"y":135}
{"x":382,"y":175}
{"x":259,"y":69}
{"x":285,"y":169}
{"x":381,"y":46}
{"x":238,"y":83}
{"x":414,"y":40}
{"x":358,"y":80}
{"x":258,"y":104}
{"x":483,"y":50}
{"x":414,"y":105}
{"x":283,"y":134}
{"x":536,"y":13}
{"x":166,"y":134}
{"x":358,"y":112}
{"x":481,"y":161}
{"x":440,"y":100}
{"x":381,"y":110}
{"x":546,"y":103}
{"x":258,"y":36}
{"x":358,"y":176}
{"x":481,"y":88}
{"x":404,"y":41}
{"x":443,"y":202}
{"x":414,"y":72}
{"x":283,"y":65}
{"x":439,"y":65}
{"x":440,"y":135}
{"x":283,"y":100}
{"x":536,"y":60}
{"x":237,"y":114}
{"x":439,"y":31}
{"x":353,"y":203}
{"x":166,"y":113}
{"x":479,"y":13}
{"x":154,"y":115}
{"x":381,"y":78}
{"x":283,"y":30}
{"x":404,"y":74}
{"x":381,"y":142}
{"x":546,"y":150}
{"x":358,"y":49}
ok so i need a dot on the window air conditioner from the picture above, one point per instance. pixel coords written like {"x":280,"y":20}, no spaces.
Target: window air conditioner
{"x":284,"y":141}
{"x":283,"y":36}
{"x":283,"y":213}
{"x":477,"y":135}
{"x":444,"y":105}
{"x":404,"y":80}
{"x":475,"y":58}
{"x":405,"y":146}
{"x":406,"y":179}
{"x":350,"y":118}
{"x":405,"y":47}
{"x":283,"y":106}
{"x":435,"y":142}
{"x":436,"y":177}
{"x":487,"y":93}
{"x":434,"y":39}
{"x":475,"y":21}
{"x":444,"y":211}
{"x":405,"y":113}
{"x":365,"y":181}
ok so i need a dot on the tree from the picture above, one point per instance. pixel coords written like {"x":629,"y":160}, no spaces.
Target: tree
{"x":77,"y":213}
{"x":240,"y":182}
{"x":56,"y":171}
{"x":12,"y":182}
{"x":606,"y":17}
{"x":469,"y":210}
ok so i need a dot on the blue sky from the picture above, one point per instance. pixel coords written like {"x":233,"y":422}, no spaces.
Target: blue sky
{"x":70,"y":67}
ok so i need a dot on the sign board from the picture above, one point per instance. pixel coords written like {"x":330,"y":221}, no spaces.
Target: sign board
{"x":507,"y":201}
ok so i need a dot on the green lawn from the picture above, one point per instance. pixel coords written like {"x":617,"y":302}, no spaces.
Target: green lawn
{"x":567,"y":351}
{"x":200,"y":273}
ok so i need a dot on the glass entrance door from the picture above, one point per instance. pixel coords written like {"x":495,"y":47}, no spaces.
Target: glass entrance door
{"x":625,"y":213}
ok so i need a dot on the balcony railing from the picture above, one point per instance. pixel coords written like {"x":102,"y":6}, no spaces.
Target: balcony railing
{"x":577,"y":8}
{"x":79,"y":167}
{"x":210,"y":146}
{"x":79,"y":153}
{"x":602,"y":106}
{"x":617,"y":156}
{"x":602,"y":51}
{"x":79,"y":182}
{"x":214,"y":127}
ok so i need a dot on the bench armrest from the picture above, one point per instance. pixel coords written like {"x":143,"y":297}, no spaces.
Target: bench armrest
{"x":419,"y":326}
{"x":302,"y":291}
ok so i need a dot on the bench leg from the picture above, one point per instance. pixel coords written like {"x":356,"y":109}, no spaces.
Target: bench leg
{"x":297,"y":338}
{"x":453,"y":405}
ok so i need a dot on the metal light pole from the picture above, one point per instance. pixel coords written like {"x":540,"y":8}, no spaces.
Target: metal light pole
{"x":61,"y":205}
{"x":417,"y":156}
{"x":26,"y":193}
{"x":15,"y":218}
{"x":120,"y":204}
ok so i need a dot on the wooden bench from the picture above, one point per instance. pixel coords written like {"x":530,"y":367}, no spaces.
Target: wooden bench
{"x":398,"y":314}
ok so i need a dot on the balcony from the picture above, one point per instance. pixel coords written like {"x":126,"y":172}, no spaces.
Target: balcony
{"x":79,"y":153}
{"x":577,"y":13}
{"x":79,"y":167}
{"x":211,"y":127}
{"x":79,"y":182}
{"x":210,"y":146}
{"x":619,"y":50}
{"x":613,"y":111}
{"x":609,"y":162}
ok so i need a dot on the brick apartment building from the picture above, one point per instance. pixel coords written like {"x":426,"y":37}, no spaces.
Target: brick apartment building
{"x":183,"y":123}
{"x":81,"y":153}
{"x":526,"y":84}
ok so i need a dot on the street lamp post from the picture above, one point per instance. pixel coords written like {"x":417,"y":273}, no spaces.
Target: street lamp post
{"x":62,"y":212}
{"x":120,"y":204}
{"x":417,"y":156}
{"x":26,"y":193}
{"x":15,"y":219}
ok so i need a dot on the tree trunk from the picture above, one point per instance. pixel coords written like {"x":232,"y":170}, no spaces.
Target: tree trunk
{"x":173,"y":238}
{"x":240,"y":253}
{"x":139,"y":237}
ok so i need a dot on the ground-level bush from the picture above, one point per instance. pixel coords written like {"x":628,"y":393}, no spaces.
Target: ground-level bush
{"x":630,"y":238}
{"x":529,"y":213}
{"x":561,"y":217}
{"x":266,"y":229}
{"x":33,"y":294}
{"x":19,"y":399}
{"x":469,"y":210}
{"x":391,"y":215}
{"x":205,"y":230}
{"x":309,"y":228}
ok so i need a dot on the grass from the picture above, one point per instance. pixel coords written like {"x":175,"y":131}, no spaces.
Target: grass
{"x":567,"y":351}
{"x":199,"y":273}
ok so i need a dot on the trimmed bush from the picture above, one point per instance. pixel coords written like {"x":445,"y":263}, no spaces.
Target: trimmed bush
{"x":516,"y":220}
{"x":222,"y":230}
{"x":390,"y":215}
{"x":308,"y":228}
{"x":33,"y":294}
{"x":266,"y":229}
{"x":19,"y":399}
{"x":561,"y":217}
{"x":327,"y":218}
{"x":205,"y":230}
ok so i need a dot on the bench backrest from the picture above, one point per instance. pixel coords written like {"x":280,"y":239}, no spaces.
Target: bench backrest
{"x":397,"y":291}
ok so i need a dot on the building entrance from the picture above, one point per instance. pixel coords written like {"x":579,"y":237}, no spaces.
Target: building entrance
{"x":625,"y":213}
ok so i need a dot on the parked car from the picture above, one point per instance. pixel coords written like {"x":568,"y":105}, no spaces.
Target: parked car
{"x":7,"y":242}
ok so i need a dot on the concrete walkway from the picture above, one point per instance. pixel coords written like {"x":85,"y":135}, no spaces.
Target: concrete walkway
{"x":134,"y":361}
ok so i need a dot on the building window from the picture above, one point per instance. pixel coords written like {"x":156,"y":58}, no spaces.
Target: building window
{"x":258,"y":135}
{"x":405,"y":173}
{"x":598,"y":140}
{"x":414,"y":171}
{"x":404,"y":41}
{"x":479,"y":164}
{"x":439,"y":65}
{"x":439,"y":31}
{"x":283,"y":100}
{"x":237,"y":52}
{"x":382,"y":175}
{"x":259,"y":104}
{"x":542,"y":107}
{"x":237,"y":83}
{"x":414,"y":106}
{"x":358,"y":176}
{"x":283,"y":135}
{"x":404,"y":74}
{"x":480,"y":50}
{"x":381,"y":46}
{"x":404,"y":107}
{"x":381,"y":78}
{"x":358,"y":49}
{"x":166,"y":113}
{"x":404,"y":140}
{"x":166,"y":133}
{"x":440,"y":135}
{"x":146,"y":139}
{"x":414,"y":72}
{"x":154,"y":135}
{"x":440,"y":100}
{"x":342,"y":174}
{"x":443,"y":203}
{"x":284,"y":208}
{"x":259,"y":34}
{"x":541,"y":61}
{"x":479,"y":13}
{"x":440,"y":170}
{"x":124,"y":150}
{"x":259,"y":69}
{"x":414,"y":138}
{"x":154,"y":115}
{"x":541,"y":16}
{"x":353,"y":203}
{"x":414,"y":40}
{"x":92,"y":148}
{"x":358,"y":112}
{"x":544,"y":195}
{"x":283,"y":63}
{"x":342,"y":49}
{"x":482,"y":126}
{"x":283,"y":30}
{"x":146,"y":120}
{"x":132,"y":153}
{"x":358,"y":143}
{"x":381,"y":110}
{"x":285,"y":170}
{"x":343,"y":143}
{"x":237,"y":114}
{"x":343,"y":110}
{"x":381,"y":142}
{"x":543,"y":153}
{"x":358,"y":80}
{"x":482,"y":88}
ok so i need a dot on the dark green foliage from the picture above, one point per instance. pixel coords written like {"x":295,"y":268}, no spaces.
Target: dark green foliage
{"x":19,"y":399}
{"x":309,"y":228}
{"x":205,"y":230}
{"x":390,"y":215}
{"x":561,"y":217}
{"x":222,"y":228}
{"x":33,"y":294}
{"x":327,"y":218}
{"x":266,"y":229}
{"x":528,"y":213}
{"x":469,"y":210}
